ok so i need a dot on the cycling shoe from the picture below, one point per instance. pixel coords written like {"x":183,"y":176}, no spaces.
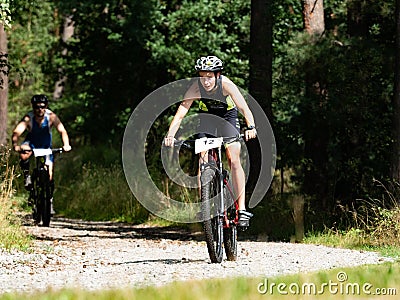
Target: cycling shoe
{"x":244,"y":219}
{"x":28,"y":183}
{"x":52,"y":211}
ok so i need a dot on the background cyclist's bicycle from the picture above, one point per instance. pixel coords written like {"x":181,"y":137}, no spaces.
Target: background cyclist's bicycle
{"x":40,"y":193}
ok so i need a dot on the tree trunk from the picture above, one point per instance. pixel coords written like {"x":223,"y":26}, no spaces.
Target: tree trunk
{"x":396,"y":101}
{"x":316,"y":135}
{"x":3,"y":85}
{"x":68,"y":31}
{"x":356,"y":23}
{"x":260,"y":73}
{"x":313,"y":16}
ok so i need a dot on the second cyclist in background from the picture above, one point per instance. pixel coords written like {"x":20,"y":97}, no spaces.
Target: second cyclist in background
{"x":38,"y":124}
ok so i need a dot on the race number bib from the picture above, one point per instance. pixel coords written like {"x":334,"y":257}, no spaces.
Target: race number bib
{"x":41,"y":152}
{"x":205,"y":144}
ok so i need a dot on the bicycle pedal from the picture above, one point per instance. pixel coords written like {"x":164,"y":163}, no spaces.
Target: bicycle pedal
{"x":243,"y":228}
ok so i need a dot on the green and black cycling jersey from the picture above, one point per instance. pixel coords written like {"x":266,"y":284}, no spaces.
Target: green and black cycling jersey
{"x":215,"y":102}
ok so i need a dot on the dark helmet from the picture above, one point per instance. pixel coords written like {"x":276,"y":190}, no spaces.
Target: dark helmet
{"x":39,"y":99}
{"x":209,"y":63}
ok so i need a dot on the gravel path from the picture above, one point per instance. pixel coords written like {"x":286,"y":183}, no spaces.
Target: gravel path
{"x":100,"y":255}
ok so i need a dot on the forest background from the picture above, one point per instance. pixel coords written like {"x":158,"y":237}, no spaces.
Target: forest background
{"x":324,"y":72}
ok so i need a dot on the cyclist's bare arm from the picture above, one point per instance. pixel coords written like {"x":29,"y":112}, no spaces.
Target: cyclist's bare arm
{"x":192,"y":94}
{"x":18,"y":131}
{"x":55,"y":121}
{"x":231,"y":89}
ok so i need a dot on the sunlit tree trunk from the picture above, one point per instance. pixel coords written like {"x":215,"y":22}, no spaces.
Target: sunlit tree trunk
{"x":313,"y":16}
{"x":3,"y":85}
{"x":396,"y":101}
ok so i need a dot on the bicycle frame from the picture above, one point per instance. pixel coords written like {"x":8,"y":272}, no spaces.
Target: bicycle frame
{"x":215,"y":155}
{"x":219,"y":217}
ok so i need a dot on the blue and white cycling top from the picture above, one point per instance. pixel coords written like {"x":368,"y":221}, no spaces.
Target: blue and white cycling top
{"x":40,"y":135}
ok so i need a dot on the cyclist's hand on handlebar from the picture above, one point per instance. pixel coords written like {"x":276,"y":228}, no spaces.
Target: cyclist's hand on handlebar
{"x":67,"y":148}
{"x":250,"y":134}
{"x":169,"y":141}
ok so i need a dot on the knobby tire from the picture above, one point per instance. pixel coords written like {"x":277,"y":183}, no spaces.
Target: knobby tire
{"x":45,"y":197}
{"x":212,"y":224}
{"x":230,"y":233}
{"x":35,"y":195}
{"x":46,"y":207}
{"x":41,"y":198}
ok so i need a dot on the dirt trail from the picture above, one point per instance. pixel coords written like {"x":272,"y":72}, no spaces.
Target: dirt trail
{"x":101,"y":255}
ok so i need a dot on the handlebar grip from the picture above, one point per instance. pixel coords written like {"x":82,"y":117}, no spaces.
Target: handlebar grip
{"x":182,"y":143}
{"x":24,"y":150}
{"x":57,"y":150}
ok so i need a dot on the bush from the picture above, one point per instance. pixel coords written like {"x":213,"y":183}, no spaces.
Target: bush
{"x":11,"y":233}
{"x":91,"y":191}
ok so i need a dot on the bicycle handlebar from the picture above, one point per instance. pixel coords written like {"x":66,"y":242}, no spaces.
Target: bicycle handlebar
{"x":188,"y":144}
{"x":53,"y":150}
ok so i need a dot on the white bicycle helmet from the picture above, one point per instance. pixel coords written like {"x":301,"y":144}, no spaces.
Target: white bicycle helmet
{"x":209,"y":63}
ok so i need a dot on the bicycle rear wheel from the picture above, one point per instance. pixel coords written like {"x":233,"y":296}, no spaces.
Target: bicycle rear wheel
{"x":212,"y":224}
{"x":230,"y":233}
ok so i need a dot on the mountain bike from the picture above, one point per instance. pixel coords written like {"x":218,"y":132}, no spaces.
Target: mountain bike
{"x":40,"y":191}
{"x":219,"y":208}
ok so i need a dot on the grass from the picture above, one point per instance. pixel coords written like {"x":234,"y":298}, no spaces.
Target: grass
{"x":373,"y":226}
{"x":90,"y":184}
{"x":345,"y":283}
{"x":98,"y":193}
{"x":11,"y":234}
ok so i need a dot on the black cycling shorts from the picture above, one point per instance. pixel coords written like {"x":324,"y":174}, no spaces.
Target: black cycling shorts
{"x":219,"y":124}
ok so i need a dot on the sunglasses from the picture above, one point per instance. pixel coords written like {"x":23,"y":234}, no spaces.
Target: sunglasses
{"x":40,"y":106}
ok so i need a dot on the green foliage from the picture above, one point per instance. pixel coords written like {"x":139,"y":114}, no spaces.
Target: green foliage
{"x":198,"y":28}
{"x":345,"y":112}
{"x":5,"y":13}
{"x":31,"y":42}
{"x":106,"y":65}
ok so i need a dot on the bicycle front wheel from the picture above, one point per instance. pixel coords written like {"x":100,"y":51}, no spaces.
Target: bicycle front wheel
{"x":45,"y":198}
{"x":35,"y":198}
{"x":46,"y":207}
{"x":212,"y":224}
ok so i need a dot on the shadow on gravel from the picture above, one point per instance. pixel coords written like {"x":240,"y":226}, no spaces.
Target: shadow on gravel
{"x":116,"y":230}
{"x":164,"y":261}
